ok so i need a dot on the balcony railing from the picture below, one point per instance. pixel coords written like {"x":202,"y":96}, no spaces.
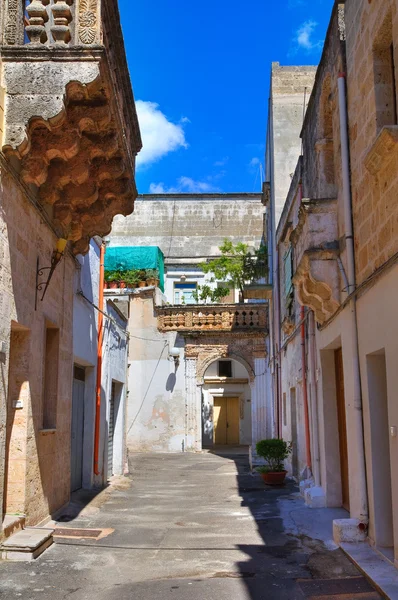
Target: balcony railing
{"x":222,"y":318}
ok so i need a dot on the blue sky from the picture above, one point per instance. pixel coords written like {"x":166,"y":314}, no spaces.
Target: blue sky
{"x":200,"y":72}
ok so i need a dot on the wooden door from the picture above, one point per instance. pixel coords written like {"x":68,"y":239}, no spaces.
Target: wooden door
{"x":342,"y":426}
{"x":233,"y":418}
{"x":226,"y":421}
{"x":220,"y":420}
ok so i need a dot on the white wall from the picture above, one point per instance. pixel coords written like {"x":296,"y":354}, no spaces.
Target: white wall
{"x":85,"y":336}
{"x":156,"y":411}
{"x":114,"y":369}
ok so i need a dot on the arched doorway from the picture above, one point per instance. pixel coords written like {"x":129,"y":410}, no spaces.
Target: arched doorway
{"x":226,"y":404}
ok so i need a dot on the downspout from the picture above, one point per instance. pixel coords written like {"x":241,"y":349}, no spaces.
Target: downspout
{"x":314,"y":402}
{"x":99,"y":360}
{"x":349,"y":239}
{"x":304,"y":378}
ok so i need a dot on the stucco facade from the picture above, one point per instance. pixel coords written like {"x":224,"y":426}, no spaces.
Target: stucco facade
{"x":67,"y":167}
{"x":346,"y":288}
{"x":170,"y":405}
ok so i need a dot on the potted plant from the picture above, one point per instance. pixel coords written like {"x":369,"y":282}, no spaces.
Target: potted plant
{"x":142,"y":278}
{"x":132,"y":278}
{"x":152,"y":277}
{"x":274,"y":452}
{"x":112,"y":278}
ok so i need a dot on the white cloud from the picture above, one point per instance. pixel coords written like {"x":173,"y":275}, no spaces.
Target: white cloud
{"x":303,"y":37}
{"x":159,"y":135}
{"x":254,"y":162}
{"x":185,"y":185}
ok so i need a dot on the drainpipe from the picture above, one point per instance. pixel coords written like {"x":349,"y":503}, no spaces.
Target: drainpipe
{"x":304,"y":378}
{"x":305,"y":394}
{"x":314,"y":402}
{"x":358,"y":436}
{"x":99,"y":360}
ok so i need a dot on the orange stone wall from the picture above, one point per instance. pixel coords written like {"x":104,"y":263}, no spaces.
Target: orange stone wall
{"x":374,"y":152}
{"x":34,"y":463}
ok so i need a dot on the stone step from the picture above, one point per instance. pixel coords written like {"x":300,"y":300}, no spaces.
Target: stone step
{"x":27,"y":544}
{"x":12,"y":524}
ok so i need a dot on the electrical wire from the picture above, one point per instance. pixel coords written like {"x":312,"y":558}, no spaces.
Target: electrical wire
{"x":115,"y":323}
{"x":166,"y":343}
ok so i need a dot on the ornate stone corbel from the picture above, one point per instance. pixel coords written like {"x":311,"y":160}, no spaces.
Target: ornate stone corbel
{"x":62,"y":17}
{"x":38,"y":16}
{"x":315,"y":294}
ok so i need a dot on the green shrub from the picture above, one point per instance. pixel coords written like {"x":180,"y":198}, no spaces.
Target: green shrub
{"x":274,"y":452}
{"x":113,"y":275}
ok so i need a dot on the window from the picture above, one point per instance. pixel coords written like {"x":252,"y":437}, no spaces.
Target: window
{"x":50,"y":384}
{"x":183,"y":293}
{"x":225,"y":368}
{"x":384,"y":76}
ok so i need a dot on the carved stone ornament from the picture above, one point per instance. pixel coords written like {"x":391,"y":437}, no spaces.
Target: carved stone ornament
{"x":38,"y":16}
{"x":77,"y":163}
{"x":88,"y":14}
{"x":313,"y":293}
{"x":62,"y":16}
{"x":11,"y":26}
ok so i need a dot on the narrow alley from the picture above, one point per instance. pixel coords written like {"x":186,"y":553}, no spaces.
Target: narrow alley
{"x":196,"y":526}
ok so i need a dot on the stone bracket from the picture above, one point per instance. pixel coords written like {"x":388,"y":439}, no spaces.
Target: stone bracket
{"x":313,"y":292}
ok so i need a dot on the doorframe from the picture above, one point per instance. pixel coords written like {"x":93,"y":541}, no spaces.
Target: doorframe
{"x":239,"y":395}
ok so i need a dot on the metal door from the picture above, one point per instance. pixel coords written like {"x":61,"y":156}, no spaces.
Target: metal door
{"x":77,"y":429}
{"x":111,"y":430}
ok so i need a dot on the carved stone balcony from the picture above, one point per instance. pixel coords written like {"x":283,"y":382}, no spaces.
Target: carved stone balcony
{"x":236,"y":318}
{"x":70,"y":127}
{"x":316,"y":248}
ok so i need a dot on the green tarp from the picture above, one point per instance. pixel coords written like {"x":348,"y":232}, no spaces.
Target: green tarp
{"x":124,"y":258}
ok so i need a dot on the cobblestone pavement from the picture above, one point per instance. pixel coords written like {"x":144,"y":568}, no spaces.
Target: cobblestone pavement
{"x":195,"y":526}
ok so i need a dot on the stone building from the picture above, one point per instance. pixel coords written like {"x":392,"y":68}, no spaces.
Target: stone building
{"x":69,"y":138}
{"x":337,"y":278}
{"x":111,"y":442}
{"x":191,"y":365}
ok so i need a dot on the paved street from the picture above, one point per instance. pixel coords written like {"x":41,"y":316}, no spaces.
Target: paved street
{"x":195,"y":526}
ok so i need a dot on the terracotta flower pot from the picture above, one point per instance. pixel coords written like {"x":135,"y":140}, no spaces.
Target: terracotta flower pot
{"x":106,"y":285}
{"x":142,"y":284}
{"x":113,"y":285}
{"x":122,"y":284}
{"x":151,"y":281}
{"x":274,"y":478}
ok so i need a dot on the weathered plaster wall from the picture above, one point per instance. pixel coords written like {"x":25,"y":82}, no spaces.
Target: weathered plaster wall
{"x":85,"y":335}
{"x":38,"y":476}
{"x":378,"y":336}
{"x":156,"y":414}
{"x":114,"y":369}
{"x":191,"y":225}
{"x":290,"y":89}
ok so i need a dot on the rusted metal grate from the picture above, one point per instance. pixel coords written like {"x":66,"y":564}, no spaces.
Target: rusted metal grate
{"x":318,"y":588}
{"x":78,"y":533}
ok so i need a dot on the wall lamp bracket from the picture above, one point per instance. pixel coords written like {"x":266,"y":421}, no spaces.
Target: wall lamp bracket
{"x":174,"y":355}
{"x":56,"y":258}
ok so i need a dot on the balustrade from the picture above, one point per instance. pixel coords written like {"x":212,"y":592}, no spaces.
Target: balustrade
{"x":234,"y":317}
{"x":52,"y":22}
